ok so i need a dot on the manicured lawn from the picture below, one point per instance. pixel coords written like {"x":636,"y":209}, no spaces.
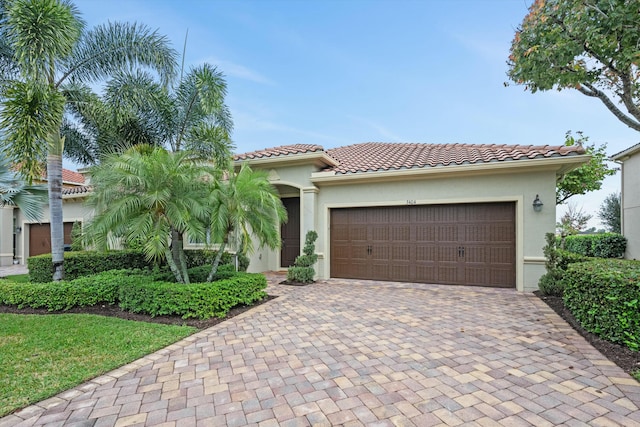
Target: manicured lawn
{"x":42,"y":355}
{"x":18,"y":278}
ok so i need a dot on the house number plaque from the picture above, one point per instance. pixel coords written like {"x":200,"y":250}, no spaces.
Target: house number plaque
{"x":411,"y":202}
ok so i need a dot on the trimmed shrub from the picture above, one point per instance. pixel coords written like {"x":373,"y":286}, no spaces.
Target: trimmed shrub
{"x":135,"y":292}
{"x":604,"y":245}
{"x":302,"y":271}
{"x":78,"y":264}
{"x":197,"y":300}
{"x":196,"y":274}
{"x":100,"y":288}
{"x":558,"y":260}
{"x":201,"y":257}
{"x":604,"y":296}
{"x":564,"y":258}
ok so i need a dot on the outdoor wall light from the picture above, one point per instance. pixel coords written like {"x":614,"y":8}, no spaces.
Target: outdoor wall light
{"x":537,"y":204}
{"x":18,"y":230}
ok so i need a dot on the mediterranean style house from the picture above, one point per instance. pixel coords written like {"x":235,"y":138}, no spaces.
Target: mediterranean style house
{"x":629,"y":160}
{"x":459,"y":214}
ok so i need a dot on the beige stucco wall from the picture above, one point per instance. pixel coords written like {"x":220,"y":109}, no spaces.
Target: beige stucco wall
{"x":631,"y":205}
{"x":512,"y":185}
{"x":73,"y":210}
{"x":6,"y":236}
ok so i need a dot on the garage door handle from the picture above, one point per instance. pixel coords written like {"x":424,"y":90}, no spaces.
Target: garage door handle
{"x":461,"y":251}
{"x":369,"y":250}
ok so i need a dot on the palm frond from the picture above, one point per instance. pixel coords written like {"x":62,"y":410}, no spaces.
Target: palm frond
{"x":42,"y":31}
{"x":109,"y":48}
{"x":30,"y":199}
{"x":30,"y":111}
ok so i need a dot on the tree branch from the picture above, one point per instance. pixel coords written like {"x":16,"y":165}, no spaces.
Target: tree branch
{"x":620,"y":115}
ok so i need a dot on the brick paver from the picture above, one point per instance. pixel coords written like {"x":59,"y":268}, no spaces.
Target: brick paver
{"x":346,"y":352}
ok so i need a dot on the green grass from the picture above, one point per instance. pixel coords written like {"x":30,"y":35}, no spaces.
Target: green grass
{"x":42,"y":355}
{"x":636,"y":374}
{"x":18,"y":278}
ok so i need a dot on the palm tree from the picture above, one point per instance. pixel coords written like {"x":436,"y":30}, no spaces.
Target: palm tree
{"x":151,"y":195}
{"x":245,"y":204}
{"x":51,"y":52}
{"x":136,"y":109}
{"x":30,"y":199}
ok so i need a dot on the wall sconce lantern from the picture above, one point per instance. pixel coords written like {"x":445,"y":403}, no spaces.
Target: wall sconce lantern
{"x":18,"y":230}
{"x":537,"y":204}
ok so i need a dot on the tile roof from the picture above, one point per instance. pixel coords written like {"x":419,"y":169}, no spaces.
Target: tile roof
{"x":378,"y":156}
{"x":382,"y":156}
{"x":72,"y":176}
{"x":284,"y":150}
{"x":81,"y":189}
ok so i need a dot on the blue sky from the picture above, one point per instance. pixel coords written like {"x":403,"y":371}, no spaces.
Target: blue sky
{"x":339,"y":72}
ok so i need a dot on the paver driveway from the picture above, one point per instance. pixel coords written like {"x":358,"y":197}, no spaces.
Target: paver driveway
{"x":345,"y":352}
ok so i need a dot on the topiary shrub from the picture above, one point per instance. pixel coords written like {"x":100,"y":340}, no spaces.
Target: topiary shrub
{"x":550,"y":283}
{"x":302,"y":271}
{"x":78,"y":264}
{"x":603,"y":295}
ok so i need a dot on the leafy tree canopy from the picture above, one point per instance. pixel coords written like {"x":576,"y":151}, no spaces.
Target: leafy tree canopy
{"x":587,"y":177}
{"x":587,"y":45}
{"x":610,"y":213}
{"x":573,"y":221}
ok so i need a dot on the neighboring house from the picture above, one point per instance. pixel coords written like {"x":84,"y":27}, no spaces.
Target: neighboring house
{"x":20,"y":239}
{"x":451,"y":214}
{"x":630,"y":203}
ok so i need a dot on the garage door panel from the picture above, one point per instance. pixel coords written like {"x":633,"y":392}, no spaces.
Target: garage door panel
{"x":470,"y":244}
{"x":400,"y":233}
{"x":401,"y":253}
{"x":448,"y":233}
{"x":380,"y":233}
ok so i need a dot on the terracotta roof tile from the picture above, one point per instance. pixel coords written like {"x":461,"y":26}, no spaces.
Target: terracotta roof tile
{"x":72,"y":176}
{"x":81,"y":189}
{"x":284,"y":150}
{"x":378,"y":156}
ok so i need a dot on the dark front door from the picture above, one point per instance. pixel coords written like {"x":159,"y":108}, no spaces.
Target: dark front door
{"x":290,"y":232}
{"x":465,"y":244}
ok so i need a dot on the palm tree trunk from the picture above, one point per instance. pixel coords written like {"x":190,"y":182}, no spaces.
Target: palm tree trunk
{"x":54,"y":178}
{"x":177,"y":255}
{"x":173,"y":266}
{"x":216,"y":261}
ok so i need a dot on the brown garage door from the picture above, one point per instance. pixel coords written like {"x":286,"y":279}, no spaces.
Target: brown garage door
{"x":464,"y":244}
{"x":40,"y":238}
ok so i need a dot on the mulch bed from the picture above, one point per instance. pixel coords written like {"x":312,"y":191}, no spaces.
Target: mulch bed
{"x":115,"y":311}
{"x":622,"y":356}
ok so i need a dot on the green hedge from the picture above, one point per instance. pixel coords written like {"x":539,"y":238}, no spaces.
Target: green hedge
{"x":86,"y":291}
{"x":604,"y":245}
{"x":200,"y":257}
{"x":134,"y":292}
{"x":604,"y":296}
{"x":197,"y":300}
{"x":566,"y":258}
{"x":79,"y":264}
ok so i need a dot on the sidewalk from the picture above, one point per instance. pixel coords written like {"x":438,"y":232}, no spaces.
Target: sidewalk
{"x":11,"y":270}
